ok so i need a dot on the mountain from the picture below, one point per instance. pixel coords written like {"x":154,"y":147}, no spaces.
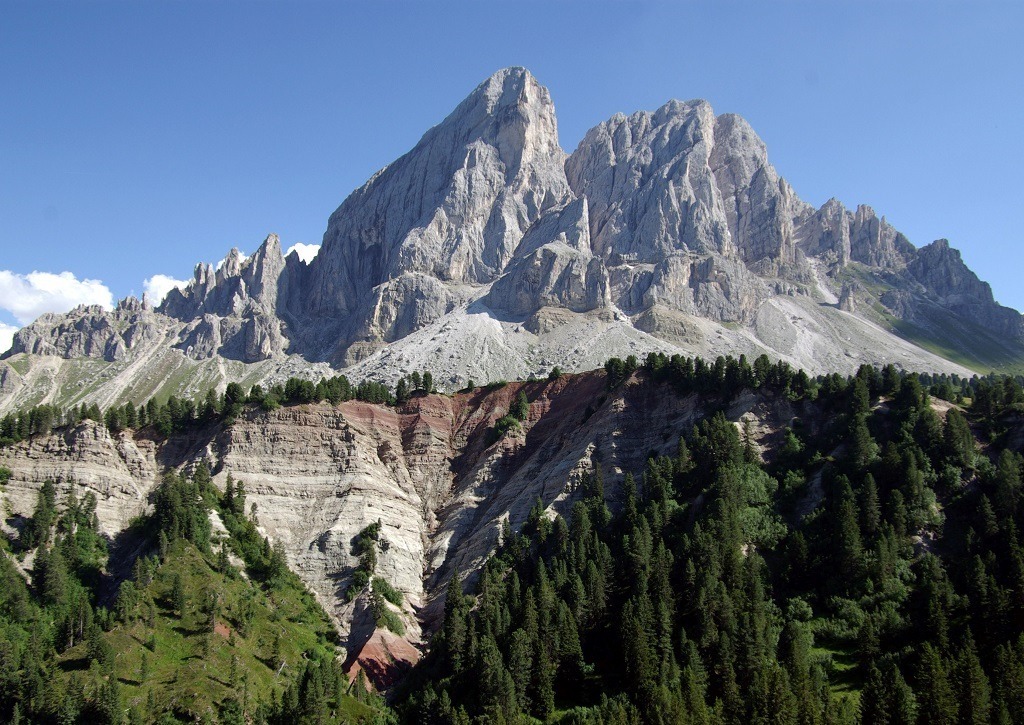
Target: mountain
{"x":486,"y":252}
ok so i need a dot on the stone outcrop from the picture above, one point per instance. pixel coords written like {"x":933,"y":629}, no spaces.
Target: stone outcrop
{"x":120,"y":470}
{"x":947,"y":281}
{"x":839,"y":237}
{"x":92,"y":332}
{"x":554,"y":267}
{"x":825,"y":233}
{"x":759,"y":205}
{"x":487,"y":252}
{"x":232,"y":311}
{"x":847,"y":301}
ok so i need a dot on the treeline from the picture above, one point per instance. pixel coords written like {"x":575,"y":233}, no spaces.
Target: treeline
{"x":729,"y":375}
{"x":176,"y":415}
{"x":868,"y":569}
{"x":687,"y":374}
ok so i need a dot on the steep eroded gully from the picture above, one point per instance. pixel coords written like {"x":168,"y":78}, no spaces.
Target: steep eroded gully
{"x":428,"y":470}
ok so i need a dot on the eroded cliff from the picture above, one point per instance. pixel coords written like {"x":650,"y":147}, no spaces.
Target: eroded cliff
{"x":429,"y":471}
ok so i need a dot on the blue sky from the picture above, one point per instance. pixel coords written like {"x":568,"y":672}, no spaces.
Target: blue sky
{"x":137,"y":139}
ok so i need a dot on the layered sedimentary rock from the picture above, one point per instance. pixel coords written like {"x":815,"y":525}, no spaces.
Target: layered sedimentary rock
{"x":430,"y":472}
{"x":119,"y":470}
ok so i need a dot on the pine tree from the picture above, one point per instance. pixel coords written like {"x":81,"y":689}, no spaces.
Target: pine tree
{"x":455,"y":631}
{"x":875,"y":700}
{"x":973,"y":691}
{"x":937,"y":703}
{"x":178,"y":595}
{"x":846,"y":541}
{"x":863,"y":448}
{"x":870,"y":509}
{"x":958,"y":439}
{"x":520,"y":664}
{"x":521,"y":407}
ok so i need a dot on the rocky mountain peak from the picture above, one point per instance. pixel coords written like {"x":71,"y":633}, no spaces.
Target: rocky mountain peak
{"x":648,"y":183}
{"x":231,"y":265}
{"x":738,"y":141}
{"x":237,"y":283}
{"x":510,"y":112}
{"x":941,"y":269}
{"x":485,"y":251}
{"x":452,"y":209}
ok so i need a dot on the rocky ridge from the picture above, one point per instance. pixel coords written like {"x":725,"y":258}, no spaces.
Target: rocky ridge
{"x":486,"y":251}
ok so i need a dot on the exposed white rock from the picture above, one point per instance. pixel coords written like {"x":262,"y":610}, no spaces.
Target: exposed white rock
{"x":649,"y":184}
{"x":120,"y":471}
{"x":454,"y":208}
{"x":485,"y":252}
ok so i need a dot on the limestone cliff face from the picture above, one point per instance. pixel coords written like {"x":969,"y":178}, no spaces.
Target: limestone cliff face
{"x":453,"y":209}
{"x":232,"y":311}
{"x":486,"y":252}
{"x":839,"y":237}
{"x":649,"y":184}
{"x":554,"y":267}
{"x":92,"y":332}
{"x":759,"y":205}
{"x":947,"y":280}
{"x":229,"y":312}
{"x":683,"y":208}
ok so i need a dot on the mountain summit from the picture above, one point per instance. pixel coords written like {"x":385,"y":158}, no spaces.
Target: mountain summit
{"x":450,"y":212}
{"x":487,"y":252}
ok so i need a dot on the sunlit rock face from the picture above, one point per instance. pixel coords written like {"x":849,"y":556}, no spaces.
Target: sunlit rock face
{"x":487,"y":252}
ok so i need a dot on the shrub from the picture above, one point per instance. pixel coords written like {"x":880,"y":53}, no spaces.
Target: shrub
{"x":380,"y":584}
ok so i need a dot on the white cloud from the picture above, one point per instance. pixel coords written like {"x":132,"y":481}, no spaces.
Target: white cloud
{"x":306,"y":252}
{"x":26,"y":296}
{"x":157,"y":287}
{"x":6,"y":336}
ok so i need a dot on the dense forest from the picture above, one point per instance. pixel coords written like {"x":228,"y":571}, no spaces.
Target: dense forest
{"x":865,"y":568}
{"x":868,"y":570}
{"x":208,"y":628}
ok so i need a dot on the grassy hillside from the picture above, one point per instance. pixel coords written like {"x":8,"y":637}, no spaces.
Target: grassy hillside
{"x":232,"y":643}
{"x":939,"y":331}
